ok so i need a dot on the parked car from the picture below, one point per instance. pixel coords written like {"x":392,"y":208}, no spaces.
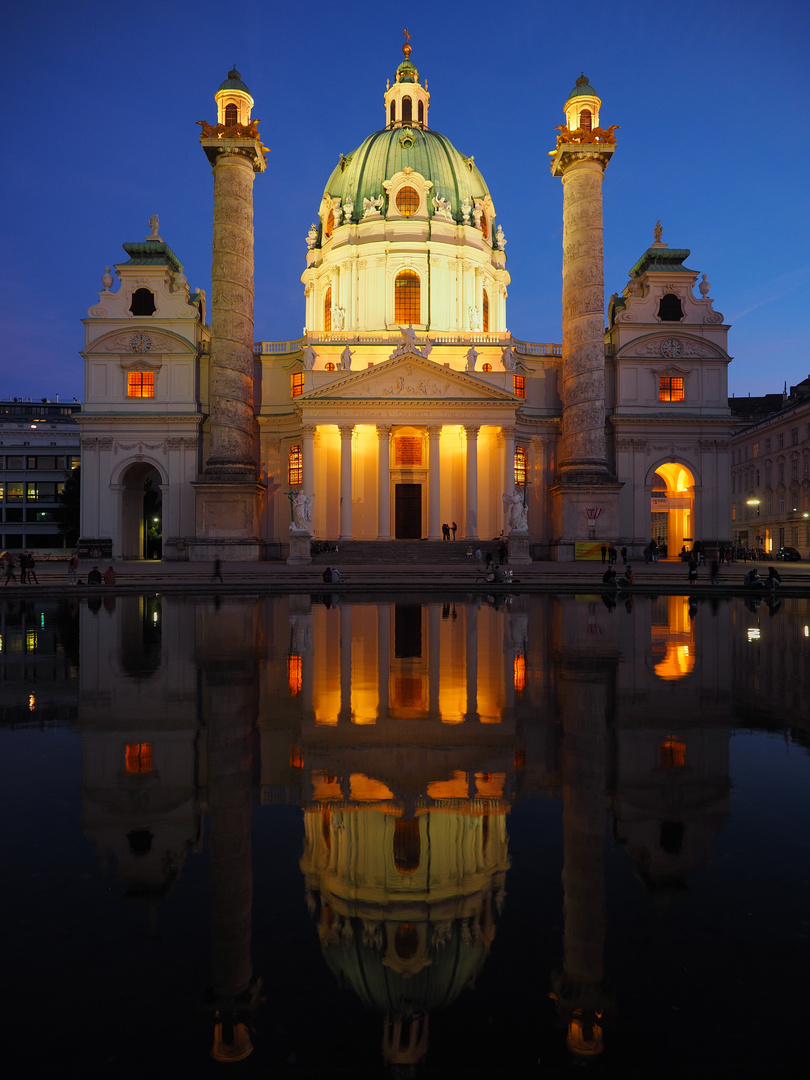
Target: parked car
{"x":789,"y":554}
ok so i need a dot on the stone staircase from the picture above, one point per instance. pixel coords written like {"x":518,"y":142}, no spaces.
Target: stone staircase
{"x":424,"y":552}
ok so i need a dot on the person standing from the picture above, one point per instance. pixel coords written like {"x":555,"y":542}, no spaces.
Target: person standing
{"x":453,"y":528}
{"x":693,"y":568}
{"x":217,"y":574}
{"x":445,"y":531}
{"x":24,"y":568}
{"x":30,"y":564}
{"x":73,"y":569}
{"x":624,"y":554}
{"x":10,"y":575}
{"x":604,"y":553}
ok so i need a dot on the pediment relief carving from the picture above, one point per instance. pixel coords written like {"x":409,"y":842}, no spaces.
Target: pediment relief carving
{"x":140,"y":342}
{"x":691,"y":347}
{"x":408,"y":378}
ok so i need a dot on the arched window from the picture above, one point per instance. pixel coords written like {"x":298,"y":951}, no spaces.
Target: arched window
{"x":486,"y":367}
{"x":231,"y":115}
{"x":586,"y":120}
{"x":670,"y":310}
{"x":421,"y":112}
{"x":393,"y":113}
{"x":329,"y":367}
{"x":407,"y":201}
{"x":327,"y":309}
{"x":484,"y":227}
{"x":407,"y":845}
{"x":485,"y":316}
{"x":520,"y":465}
{"x":143,"y":302}
{"x":407,"y":110}
{"x":407,"y":298}
{"x":295,"y":465}
{"x":329,"y":227}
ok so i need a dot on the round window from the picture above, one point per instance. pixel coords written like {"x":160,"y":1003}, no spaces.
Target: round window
{"x":407,"y":201}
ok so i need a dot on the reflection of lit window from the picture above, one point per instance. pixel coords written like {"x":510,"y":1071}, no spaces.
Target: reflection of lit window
{"x":363,"y":788}
{"x":32,"y":702}
{"x":679,"y":660}
{"x":407,"y":845}
{"x":406,"y":941}
{"x":294,"y":678}
{"x":457,"y":788}
{"x":520,"y":758}
{"x":139,"y":757}
{"x":520,"y":674}
{"x":296,"y":758}
{"x":31,"y":641}
{"x":673,"y":753}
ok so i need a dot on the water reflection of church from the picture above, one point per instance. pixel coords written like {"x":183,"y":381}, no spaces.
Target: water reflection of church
{"x":405,"y":731}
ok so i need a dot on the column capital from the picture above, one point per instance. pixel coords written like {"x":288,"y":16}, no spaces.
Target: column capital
{"x":346,"y":430}
{"x":508,"y":431}
{"x":472,"y":430}
{"x":434,"y":430}
{"x":308,"y":431}
{"x":383,"y":430}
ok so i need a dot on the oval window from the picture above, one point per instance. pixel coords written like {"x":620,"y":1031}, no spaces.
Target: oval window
{"x":407,"y":201}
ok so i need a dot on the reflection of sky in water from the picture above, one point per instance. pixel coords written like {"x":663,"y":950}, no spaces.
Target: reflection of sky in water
{"x":486,"y":806}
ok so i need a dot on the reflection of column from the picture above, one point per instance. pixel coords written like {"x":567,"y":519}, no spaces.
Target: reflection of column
{"x":383,"y":658}
{"x":583,"y":700}
{"x":471,"y":615}
{"x":345,"y":663}
{"x":434,"y":658}
{"x":383,"y":482}
{"x":472,"y":483}
{"x":508,"y":460}
{"x":434,"y":482}
{"x":308,"y":459}
{"x":346,"y":482}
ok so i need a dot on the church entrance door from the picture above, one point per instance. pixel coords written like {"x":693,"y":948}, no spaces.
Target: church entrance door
{"x":141,"y":513}
{"x":408,"y":512}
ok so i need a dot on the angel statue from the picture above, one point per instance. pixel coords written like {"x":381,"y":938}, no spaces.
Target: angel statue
{"x":302,"y":512}
{"x":516,"y":514}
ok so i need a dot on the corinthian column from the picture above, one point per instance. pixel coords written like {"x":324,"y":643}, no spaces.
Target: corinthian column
{"x":472,"y":483}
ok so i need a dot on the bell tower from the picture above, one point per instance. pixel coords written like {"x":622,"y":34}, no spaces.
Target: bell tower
{"x":228,"y":493}
{"x":584,"y":479}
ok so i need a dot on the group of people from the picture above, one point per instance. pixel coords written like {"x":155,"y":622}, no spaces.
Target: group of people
{"x":752,"y":580}
{"x":95,"y":577}
{"x":611,"y":577}
{"x":330,"y":575}
{"x":28,"y":575}
{"x":447,"y":529}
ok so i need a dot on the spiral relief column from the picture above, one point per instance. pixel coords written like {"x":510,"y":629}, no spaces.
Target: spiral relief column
{"x":584,"y":477}
{"x":229,"y":495}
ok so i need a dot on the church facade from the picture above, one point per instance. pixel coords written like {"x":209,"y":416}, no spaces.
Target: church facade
{"x":408,"y":403}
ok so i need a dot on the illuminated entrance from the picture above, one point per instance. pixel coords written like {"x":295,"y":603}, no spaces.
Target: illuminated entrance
{"x":672,"y":507}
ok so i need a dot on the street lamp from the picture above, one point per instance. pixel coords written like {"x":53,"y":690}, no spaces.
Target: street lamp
{"x":753,"y":502}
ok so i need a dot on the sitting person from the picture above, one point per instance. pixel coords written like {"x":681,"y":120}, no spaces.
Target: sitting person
{"x":773,"y":578}
{"x":609,"y":576}
{"x":629,"y":577}
{"x":752,"y":579}
{"x":109,"y":576}
{"x":94,"y":577}
{"x":327,"y":575}
{"x":335,"y":574}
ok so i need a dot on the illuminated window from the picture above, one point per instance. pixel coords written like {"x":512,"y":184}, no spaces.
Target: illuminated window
{"x":670,"y":389}
{"x":520,"y":465}
{"x":755,"y":451}
{"x":295,"y":466}
{"x":140,"y":384}
{"x":485,"y":305}
{"x":407,"y":110}
{"x":670,"y":310}
{"x":421,"y":113}
{"x":407,"y":201}
{"x":327,"y":309}
{"x":143,"y":302}
{"x":407,"y":298}
{"x":329,"y":367}
{"x":30,"y":641}
{"x":294,"y":676}
{"x":297,"y":383}
{"x":139,"y":757}
{"x":485,"y":226}
{"x":329,"y":227}
{"x":393,"y":113}
{"x":673,"y":753}
{"x":407,"y":845}
{"x":519,"y":383}
{"x":486,"y":367}
{"x":231,"y":115}
{"x":520,"y":674}
{"x":296,"y":758}
{"x":586,"y":120}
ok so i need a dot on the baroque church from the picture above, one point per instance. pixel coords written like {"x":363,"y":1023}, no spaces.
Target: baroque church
{"x":408,"y":403}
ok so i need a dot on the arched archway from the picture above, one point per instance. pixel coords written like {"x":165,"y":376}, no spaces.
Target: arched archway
{"x":141,"y":512}
{"x":672,"y":506}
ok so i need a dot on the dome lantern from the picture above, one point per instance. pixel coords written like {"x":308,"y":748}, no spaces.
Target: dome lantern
{"x":582,"y":106}
{"x":234,"y":101}
{"x":406,"y":102}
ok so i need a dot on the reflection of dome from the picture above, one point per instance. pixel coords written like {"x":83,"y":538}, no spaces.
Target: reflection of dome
{"x":382,"y":155}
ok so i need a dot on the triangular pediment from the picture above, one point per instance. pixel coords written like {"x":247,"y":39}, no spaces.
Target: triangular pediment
{"x":408,"y":378}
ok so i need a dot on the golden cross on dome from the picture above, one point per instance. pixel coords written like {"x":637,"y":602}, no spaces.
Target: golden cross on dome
{"x":406,"y":48}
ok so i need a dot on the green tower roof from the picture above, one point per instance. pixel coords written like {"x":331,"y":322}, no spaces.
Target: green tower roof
{"x":583,"y":88}
{"x":234,"y":82}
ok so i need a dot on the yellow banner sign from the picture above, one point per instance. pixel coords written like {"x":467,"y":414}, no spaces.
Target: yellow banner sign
{"x":589,"y":549}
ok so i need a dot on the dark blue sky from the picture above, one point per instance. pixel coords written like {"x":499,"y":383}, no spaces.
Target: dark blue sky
{"x":99,"y":133}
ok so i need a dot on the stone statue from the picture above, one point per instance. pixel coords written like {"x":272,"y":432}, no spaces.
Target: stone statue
{"x":372,"y":206}
{"x":516,"y":516}
{"x":345,"y":363}
{"x":466,"y":208}
{"x":704,"y":286}
{"x":348,"y":209}
{"x":337,"y":211}
{"x":442,"y":208}
{"x":508,"y":359}
{"x":658,"y":232}
{"x":427,"y":348}
{"x":500,"y":239}
{"x":408,"y":338}
{"x":154,"y":222}
{"x":107,"y":279}
{"x":475,"y":317}
{"x":478,"y":213}
{"x":309,"y":358}
{"x":472,"y":356}
{"x":312,"y":237}
{"x":302,"y":512}
{"x":338,"y":317}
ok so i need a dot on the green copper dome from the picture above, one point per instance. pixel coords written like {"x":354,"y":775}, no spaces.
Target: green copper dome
{"x":583,"y":88}
{"x":234,"y":82}
{"x":360,"y":175}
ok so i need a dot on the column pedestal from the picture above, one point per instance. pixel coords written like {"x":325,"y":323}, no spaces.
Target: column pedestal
{"x":569,"y":505}
{"x":228,"y":520}
{"x":300,"y":549}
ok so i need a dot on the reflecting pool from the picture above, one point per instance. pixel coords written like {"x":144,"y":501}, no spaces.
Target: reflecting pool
{"x":329,"y":836}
